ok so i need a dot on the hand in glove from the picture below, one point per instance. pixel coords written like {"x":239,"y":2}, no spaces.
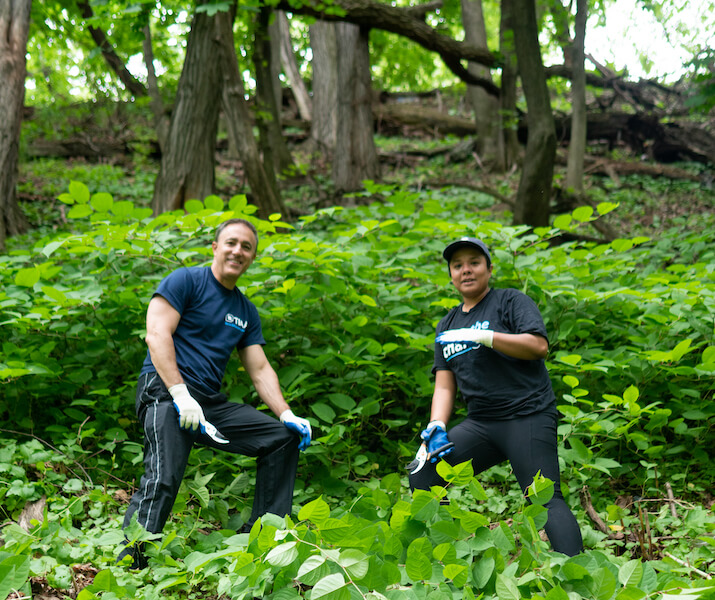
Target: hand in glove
{"x":299,"y":426}
{"x":190,"y":413}
{"x":436,"y":437}
{"x":467,"y":334}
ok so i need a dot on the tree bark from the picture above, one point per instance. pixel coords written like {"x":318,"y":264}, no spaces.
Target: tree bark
{"x":268,"y":117}
{"x":14,"y":27}
{"x":187,"y":165}
{"x":161,"y":119}
{"x":261,"y":178}
{"x":133,"y":85}
{"x":290,"y":65}
{"x":577,"y":144}
{"x":355,"y":154}
{"x":534,"y":194}
{"x":483,"y":104}
{"x":508,"y":142}
{"x":324,"y":124}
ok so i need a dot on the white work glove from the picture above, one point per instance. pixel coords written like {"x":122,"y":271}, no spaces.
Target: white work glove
{"x":485,"y":337}
{"x":298,"y":425}
{"x":190,"y":413}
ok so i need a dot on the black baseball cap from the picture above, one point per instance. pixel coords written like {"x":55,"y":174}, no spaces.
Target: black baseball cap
{"x":467,"y":242}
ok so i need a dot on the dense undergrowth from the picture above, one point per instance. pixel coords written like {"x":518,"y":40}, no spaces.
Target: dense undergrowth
{"x":349,"y":298}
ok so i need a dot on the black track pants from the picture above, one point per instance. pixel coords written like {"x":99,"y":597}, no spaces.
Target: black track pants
{"x":529,"y":443}
{"x":167,"y":446}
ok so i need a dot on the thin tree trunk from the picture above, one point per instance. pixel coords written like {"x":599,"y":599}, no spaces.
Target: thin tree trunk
{"x":133,"y":85}
{"x":324,"y":124}
{"x":14,"y":27}
{"x":297,"y":85}
{"x":534,"y":194}
{"x":483,"y":104}
{"x":268,"y":118}
{"x":261,"y":178}
{"x":161,"y":120}
{"x":187,"y":165}
{"x":355,"y":154}
{"x":577,"y":144}
{"x":508,"y":141}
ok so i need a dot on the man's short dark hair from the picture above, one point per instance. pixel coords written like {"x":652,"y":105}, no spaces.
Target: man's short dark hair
{"x":225,"y":224}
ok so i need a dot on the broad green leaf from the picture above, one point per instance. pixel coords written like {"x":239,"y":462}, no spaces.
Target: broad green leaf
{"x":79,"y":211}
{"x":79,"y":192}
{"x":102,"y":202}
{"x":506,"y":588}
{"x":323,"y":411}
{"x":27,"y":277}
{"x":56,"y":295}
{"x":317,"y":511}
{"x":193,"y":206}
{"x":604,"y":584}
{"x":583,"y":213}
{"x":354,"y":562}
{"x":283,"y":555}
{"x":418,"y":567}
{"x":562,"y":221}
{"x":483,"y":571}
{"x":14,"y":572}
{"x":313,"y":570}
{"x":214,"y":203}
{"x":570,"y":381}
{"x":630,"y":573}
{"x":457,"y":573}
{"x":331,"y":587}
{"x":424,"y":505}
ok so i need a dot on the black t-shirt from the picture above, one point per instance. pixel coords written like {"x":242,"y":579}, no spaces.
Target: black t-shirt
{"x":493,"y":385}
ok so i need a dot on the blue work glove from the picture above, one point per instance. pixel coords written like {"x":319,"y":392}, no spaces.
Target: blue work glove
{"x":298,"y":425}
{"x":435,"y":437}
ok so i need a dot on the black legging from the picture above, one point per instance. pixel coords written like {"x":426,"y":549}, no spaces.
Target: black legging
{"x":529,"y":443}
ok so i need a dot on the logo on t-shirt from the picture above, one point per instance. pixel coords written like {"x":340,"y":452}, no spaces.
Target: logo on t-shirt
{"x":449,"y":351}
{"x":232,"y":321}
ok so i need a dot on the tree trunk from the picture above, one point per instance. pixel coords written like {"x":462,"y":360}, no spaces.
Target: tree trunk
{"x":290,"y":65}
{"x":355,"y":154}
{"x":508,"y":120}
{"x":483,"y":104}
{"x":324,"y":124}
{"x":14,"y":26}
{"x":268,"y":118}
{"x":261,"y":178}
{"x":187,"y":165}
{"x":577,"y":144}
{"x":161,"y":120}
{"x":534,"y":194}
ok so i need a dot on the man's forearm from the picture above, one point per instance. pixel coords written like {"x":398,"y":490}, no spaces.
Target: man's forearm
{"x":269,"y":390}
{"x":163,"y":357}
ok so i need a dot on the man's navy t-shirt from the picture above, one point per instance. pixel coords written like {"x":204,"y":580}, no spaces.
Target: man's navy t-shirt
{"x":214,"y":321}
{"x":496,"y":386}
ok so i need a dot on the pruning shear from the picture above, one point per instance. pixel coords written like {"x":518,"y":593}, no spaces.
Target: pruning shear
{"x":210,"y":430}
{"x":423,"y":457}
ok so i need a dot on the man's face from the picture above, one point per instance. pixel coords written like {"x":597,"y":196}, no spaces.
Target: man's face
{"x":470,"y":273}
{"x":234,"y":252}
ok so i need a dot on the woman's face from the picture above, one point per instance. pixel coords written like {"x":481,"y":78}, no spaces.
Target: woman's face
{"x":470,"y":273}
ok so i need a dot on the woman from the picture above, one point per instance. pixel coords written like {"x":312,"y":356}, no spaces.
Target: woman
{"x":491,"y":348}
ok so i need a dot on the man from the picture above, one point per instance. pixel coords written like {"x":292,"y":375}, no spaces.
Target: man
{"x":195,"y":319}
